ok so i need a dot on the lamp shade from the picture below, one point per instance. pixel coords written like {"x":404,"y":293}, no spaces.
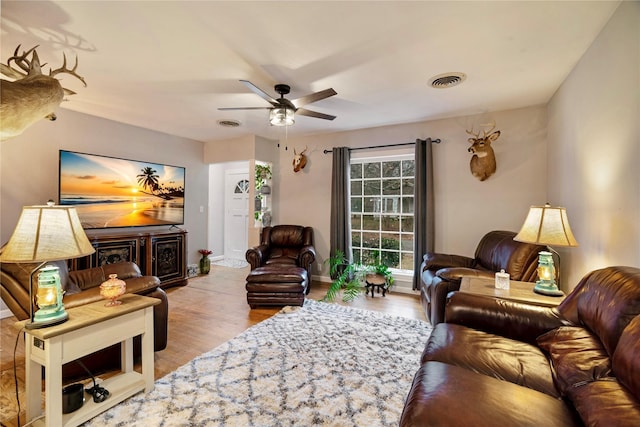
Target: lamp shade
{"x":546,"y":225}
{"x":47,"y":233}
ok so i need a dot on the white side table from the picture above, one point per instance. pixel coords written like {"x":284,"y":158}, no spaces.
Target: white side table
{"x":90,"y":328}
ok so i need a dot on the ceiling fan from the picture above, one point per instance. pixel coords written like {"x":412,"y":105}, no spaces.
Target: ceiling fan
{"x":283,"y":110}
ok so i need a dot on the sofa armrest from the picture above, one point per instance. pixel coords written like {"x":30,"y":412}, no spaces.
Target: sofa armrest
{"x":522,"y":322}
{"x":14,"y":296}
{"x":306,"y":257}
{"x":160,"y":319}
{"x":256,"y":256}
{"x":436,"y":261}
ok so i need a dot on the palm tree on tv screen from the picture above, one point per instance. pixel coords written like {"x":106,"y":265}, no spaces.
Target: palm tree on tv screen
{"x":148,"y":179}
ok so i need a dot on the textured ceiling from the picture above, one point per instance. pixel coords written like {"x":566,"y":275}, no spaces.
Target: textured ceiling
{"x":169,"y":65}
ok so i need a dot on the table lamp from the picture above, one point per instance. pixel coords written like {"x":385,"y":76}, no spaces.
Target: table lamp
{"x":44,"y":234}
{"x":546,"y":225}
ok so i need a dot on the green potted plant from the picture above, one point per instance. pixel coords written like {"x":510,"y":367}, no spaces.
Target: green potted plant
{"x":263,"y":174}
{"x":349,"y":277}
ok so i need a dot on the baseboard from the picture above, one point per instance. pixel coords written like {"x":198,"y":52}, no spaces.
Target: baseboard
{"x":400,"y":286}
{"x":5,"y":313}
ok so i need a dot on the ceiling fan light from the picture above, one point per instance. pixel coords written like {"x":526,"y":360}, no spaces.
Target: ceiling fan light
{"x":281,"y":116}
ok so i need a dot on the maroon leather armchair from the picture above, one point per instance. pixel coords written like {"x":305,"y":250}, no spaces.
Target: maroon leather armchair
{"x":284,"y":245}
{"x":442,"y":273}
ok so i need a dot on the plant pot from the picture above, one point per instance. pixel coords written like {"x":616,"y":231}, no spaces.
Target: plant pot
{"x":205,"y":264}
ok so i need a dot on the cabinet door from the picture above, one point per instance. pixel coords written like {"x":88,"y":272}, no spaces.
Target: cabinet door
{"x":112,"y":251}
{"x":167,"y":257}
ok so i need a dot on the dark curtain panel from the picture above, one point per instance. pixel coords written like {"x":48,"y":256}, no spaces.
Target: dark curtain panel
{"x":424,"y":208}
{"x":340,"y":237}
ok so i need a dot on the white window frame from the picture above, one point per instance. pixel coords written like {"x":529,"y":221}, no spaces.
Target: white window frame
{"x":395,"y":200}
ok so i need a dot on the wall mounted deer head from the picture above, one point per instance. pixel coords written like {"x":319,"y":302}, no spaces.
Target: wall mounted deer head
{"x":483,"y":160}
{"x":32,"y":95}
{"x":299,"y":160}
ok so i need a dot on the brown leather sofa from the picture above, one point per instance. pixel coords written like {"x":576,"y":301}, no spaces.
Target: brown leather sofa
{"x":284,"y":245}
{"x":442,"y":273}
{"x":83,"y":287}
{"x":496,"y":362}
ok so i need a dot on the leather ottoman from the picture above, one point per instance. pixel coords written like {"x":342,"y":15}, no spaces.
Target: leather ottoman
{"x":277,"y":285}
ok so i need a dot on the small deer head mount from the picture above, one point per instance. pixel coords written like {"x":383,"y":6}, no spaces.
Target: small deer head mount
{"x":483,"y":159}
{"x":32,"y":95}
{"x":299,"y":160}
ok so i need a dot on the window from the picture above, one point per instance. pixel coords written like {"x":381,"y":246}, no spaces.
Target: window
{"x":382,"y":211}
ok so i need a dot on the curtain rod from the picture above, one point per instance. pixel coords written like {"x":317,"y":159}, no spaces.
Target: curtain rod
{"x":437,"y":141}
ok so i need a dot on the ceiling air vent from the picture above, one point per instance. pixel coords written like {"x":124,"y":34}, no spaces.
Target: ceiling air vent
{"x":446,"y":80}
{"x":229,"y":123}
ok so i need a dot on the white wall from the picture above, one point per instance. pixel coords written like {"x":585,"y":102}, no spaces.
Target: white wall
{"x":239,"y":153}
{"x":594,"y":149}
{"x":29,"y":165}
{"x":466,"y":208}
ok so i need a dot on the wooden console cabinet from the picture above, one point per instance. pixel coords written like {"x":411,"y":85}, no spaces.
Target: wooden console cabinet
{"x":157,"y":253}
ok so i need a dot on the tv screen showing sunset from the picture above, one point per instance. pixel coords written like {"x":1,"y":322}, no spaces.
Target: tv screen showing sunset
{"x":111,"y":192}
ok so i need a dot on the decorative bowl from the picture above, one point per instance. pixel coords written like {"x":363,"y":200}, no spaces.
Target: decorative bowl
{"x":112,"y":289}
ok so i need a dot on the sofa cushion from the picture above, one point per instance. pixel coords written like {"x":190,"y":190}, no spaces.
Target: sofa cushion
{"x":289,"y":235}
{"x":626,"y":359}
{"x":88,"y":278}
{"x":22,"y":271}
{"x":499,"y":357}
{"x":278,"y":274}
{"x":497,"y":250}
{"x":605,"y":403}
{"x":577,"y":356}
{"x":448,"y":395}
{"x":608,"y":301}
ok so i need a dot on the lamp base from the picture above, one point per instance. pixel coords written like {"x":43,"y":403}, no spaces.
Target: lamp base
{"x":547,"y":289}
{"x":49,"y":321}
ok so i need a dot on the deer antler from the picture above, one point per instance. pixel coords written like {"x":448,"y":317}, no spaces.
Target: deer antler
{"x":484,"y":132}
{"x":470,"y":132}
{"x":64,"y":69}
{"x":21,"y":61}
{"x":487,"y":132}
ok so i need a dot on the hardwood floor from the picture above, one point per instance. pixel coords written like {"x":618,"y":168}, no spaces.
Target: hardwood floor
{"x":207,"y":312}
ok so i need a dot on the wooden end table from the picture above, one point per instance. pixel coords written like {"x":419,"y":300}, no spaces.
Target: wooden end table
{"x":90,"y":328}
{"x":518,"y":291}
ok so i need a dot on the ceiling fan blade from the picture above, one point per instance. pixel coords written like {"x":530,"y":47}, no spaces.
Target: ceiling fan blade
{"x":244,"y":108}
{"x":309,"y":113}
{"x":313,"y":97}
{"x":262,"y":94}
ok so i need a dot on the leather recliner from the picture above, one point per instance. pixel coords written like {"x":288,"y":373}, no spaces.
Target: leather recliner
{"x":284,"y":245}
{"x":442,"y":273}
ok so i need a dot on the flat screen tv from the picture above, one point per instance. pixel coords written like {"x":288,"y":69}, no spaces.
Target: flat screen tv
{"x":109,"y":192}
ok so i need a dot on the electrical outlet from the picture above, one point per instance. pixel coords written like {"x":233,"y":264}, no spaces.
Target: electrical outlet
{"x":37,"y":342}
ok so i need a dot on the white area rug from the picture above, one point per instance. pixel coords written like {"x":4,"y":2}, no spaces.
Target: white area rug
{"x":321,"y":364}
{"x":233,"y":263}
